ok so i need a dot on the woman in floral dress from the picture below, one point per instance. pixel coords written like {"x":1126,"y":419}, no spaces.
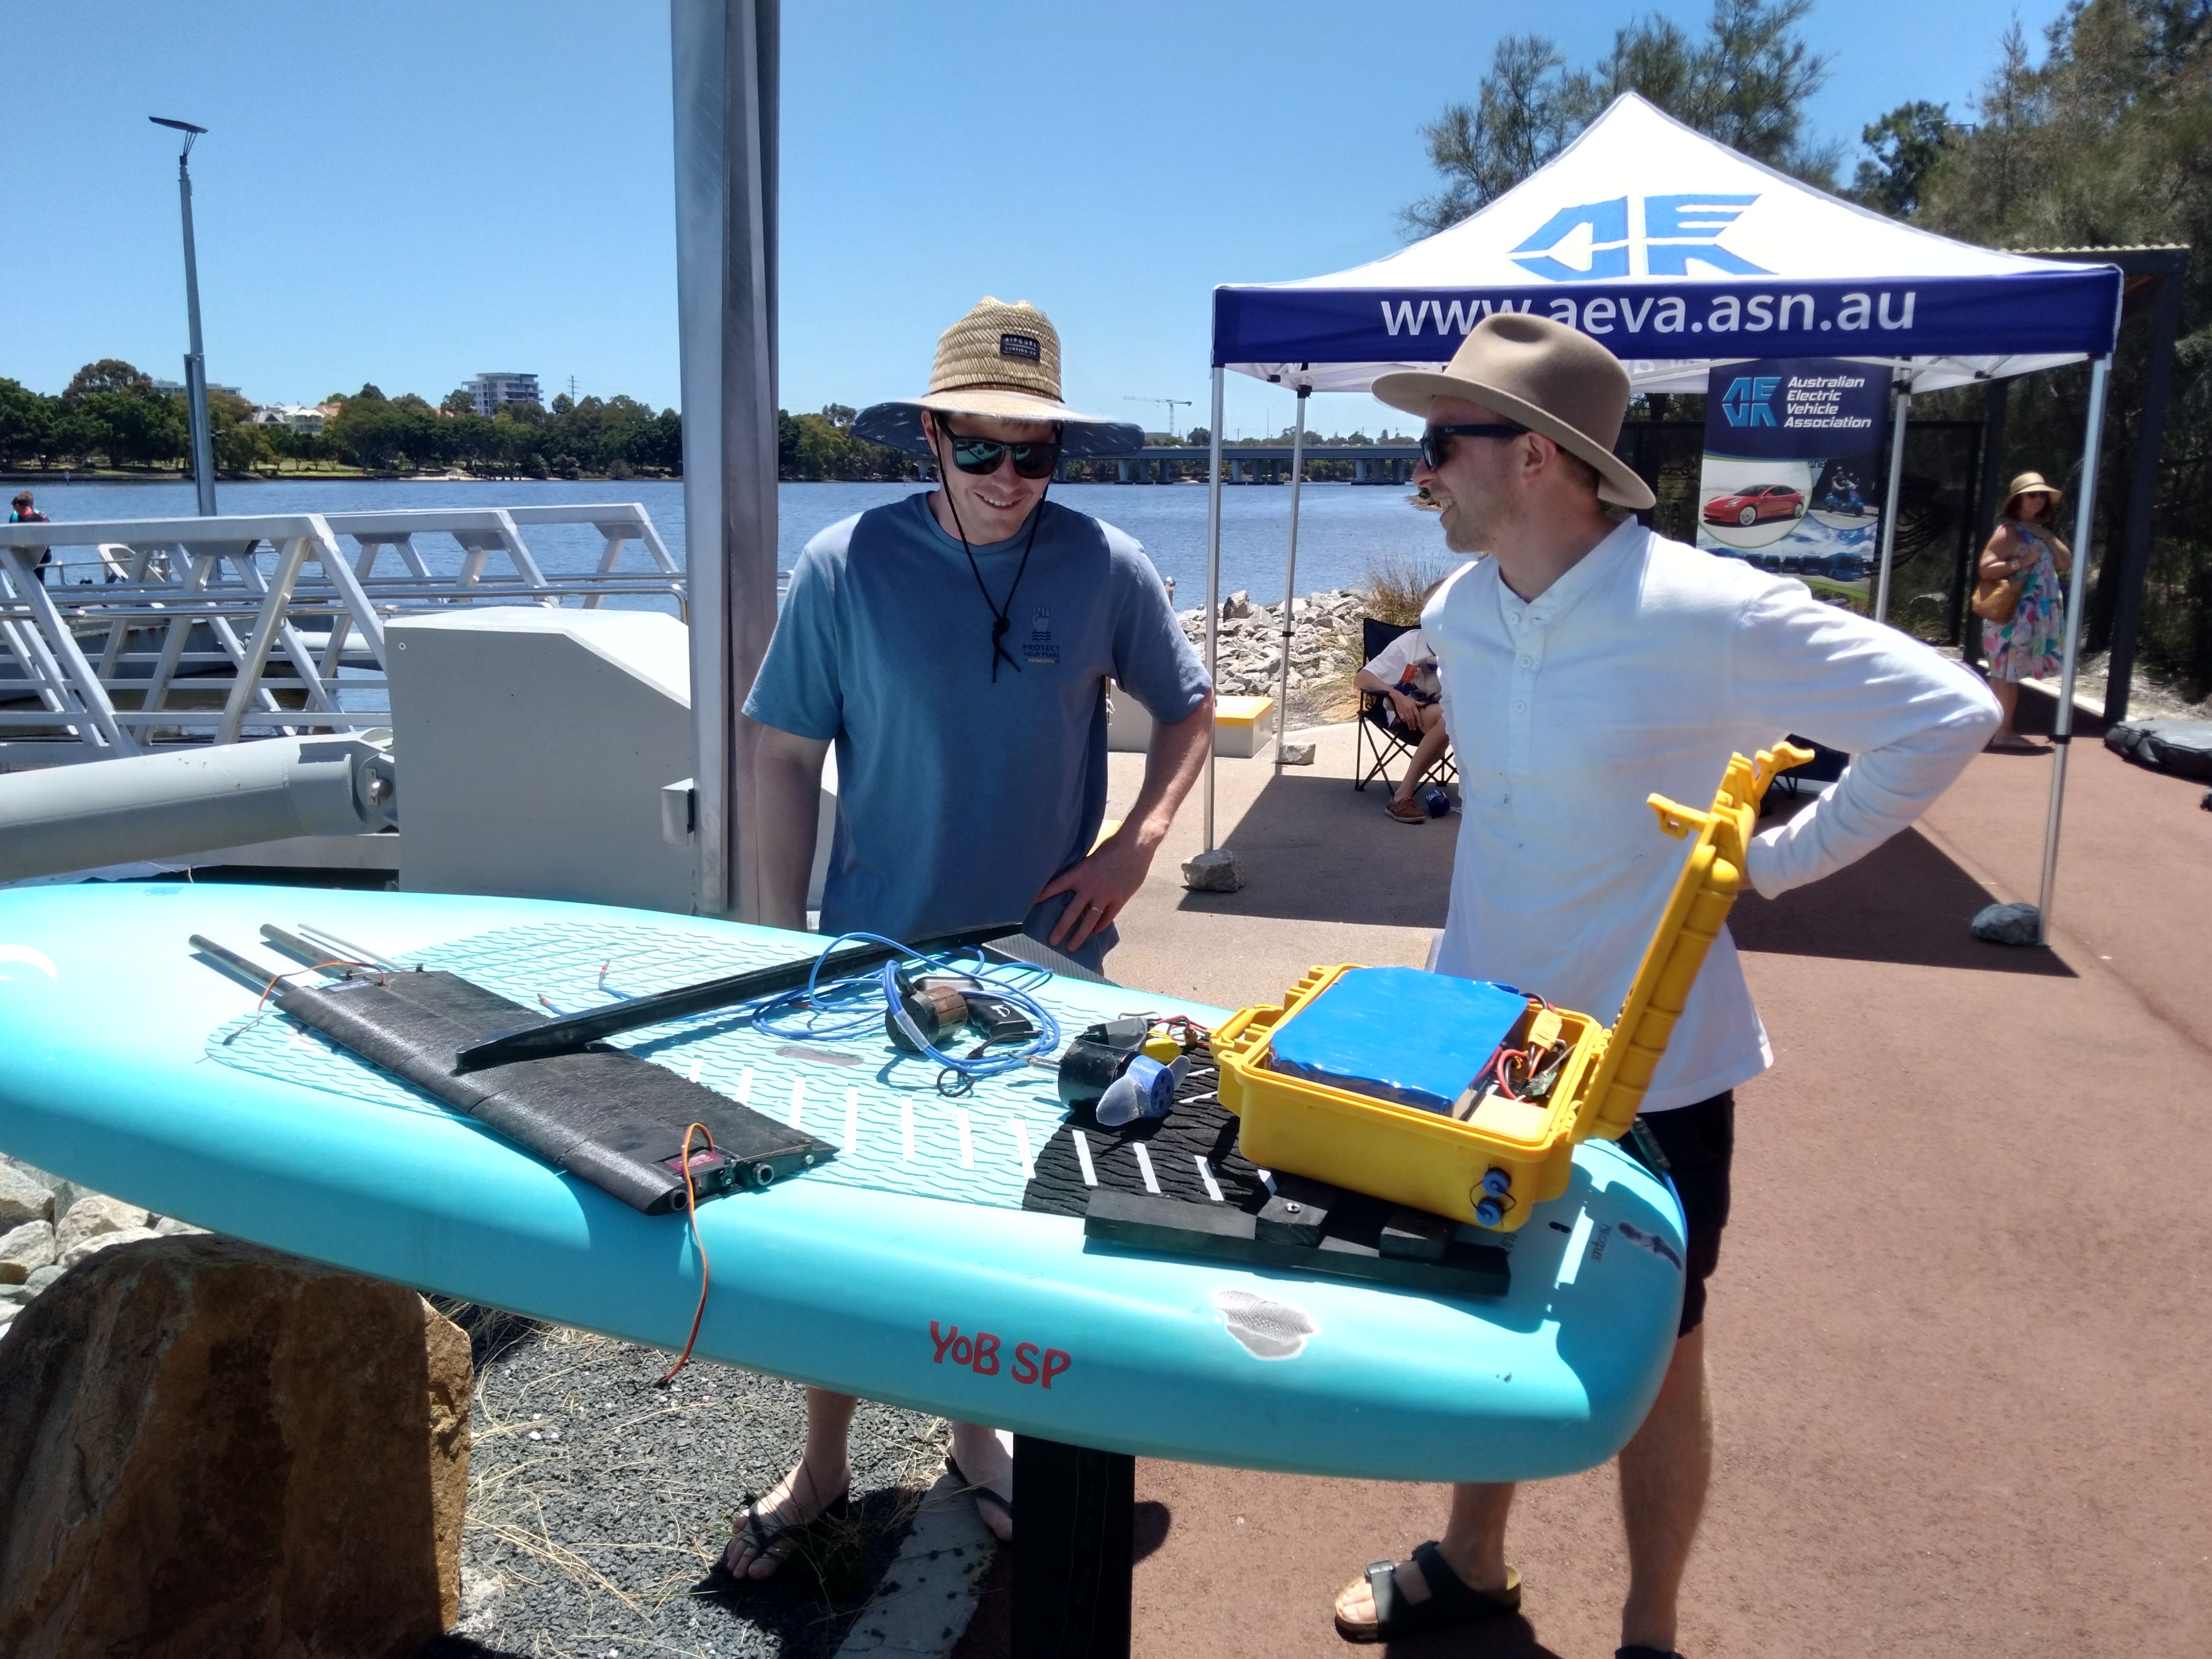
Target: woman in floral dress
{"x":2025,"y":552}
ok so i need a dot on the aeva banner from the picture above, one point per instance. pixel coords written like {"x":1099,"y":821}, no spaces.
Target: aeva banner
{"x":1792,"y":450}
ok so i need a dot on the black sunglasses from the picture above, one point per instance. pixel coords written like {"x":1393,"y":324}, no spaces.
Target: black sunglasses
{"x":981,"y":456}
{"x":1435,"y":452}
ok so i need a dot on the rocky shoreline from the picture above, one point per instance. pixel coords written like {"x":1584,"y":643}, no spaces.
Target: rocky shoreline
{"x":48,"y":1226}
{"x":1324,"y":648}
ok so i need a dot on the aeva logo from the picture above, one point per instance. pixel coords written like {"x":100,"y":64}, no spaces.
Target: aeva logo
{"x":1593,"y":243}
{"x":1746,"y":403}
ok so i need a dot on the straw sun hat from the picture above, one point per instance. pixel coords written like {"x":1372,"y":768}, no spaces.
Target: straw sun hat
{"x":1540,"y":375}
{"x":999,"y":362}
{"x":2030,"y":484}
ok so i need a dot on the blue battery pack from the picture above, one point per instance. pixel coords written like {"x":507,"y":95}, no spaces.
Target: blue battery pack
{"x":1398,"y":1034}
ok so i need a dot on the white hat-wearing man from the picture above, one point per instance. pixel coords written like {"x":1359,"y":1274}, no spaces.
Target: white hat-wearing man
{"x":1586,"y":663}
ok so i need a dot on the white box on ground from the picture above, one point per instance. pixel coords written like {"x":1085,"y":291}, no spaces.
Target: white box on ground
{"x":1240,"y":724}
{"x":534,"y":743}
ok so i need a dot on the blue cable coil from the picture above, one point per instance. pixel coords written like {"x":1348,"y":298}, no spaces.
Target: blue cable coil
{"x":854,"y":1006}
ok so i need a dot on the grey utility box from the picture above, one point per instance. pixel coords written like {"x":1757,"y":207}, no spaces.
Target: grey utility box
{"x":533,"y":744}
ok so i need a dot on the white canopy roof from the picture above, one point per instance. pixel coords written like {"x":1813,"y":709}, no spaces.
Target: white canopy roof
{"x":1678,"y":253}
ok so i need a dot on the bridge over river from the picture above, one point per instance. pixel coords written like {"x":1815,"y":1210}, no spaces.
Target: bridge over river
{"x":1256,"y":463}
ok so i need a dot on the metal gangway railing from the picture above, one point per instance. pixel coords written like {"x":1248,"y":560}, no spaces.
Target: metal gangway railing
{"x":187,"y":631}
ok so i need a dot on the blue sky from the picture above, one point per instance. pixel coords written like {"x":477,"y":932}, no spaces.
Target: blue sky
{"x":410,"y":192}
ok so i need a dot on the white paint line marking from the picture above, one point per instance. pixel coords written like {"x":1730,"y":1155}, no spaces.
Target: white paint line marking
{"x":1144,"y":1165}
{"x":698,"y":1066}
{"x":852,"y":1119}
{"x":797,"y":1101}
{"x":967,"y":1138}
{"x":1206,"y":1174}
{"x":1083,"y":1157}
{"x":906,"y":1131}
{"x":1022,"y":1147}
{"x":1571,"y":1262}
{"x":745,"y":1087}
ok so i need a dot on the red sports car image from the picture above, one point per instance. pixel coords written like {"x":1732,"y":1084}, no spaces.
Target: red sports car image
{"x":1747,"y":507}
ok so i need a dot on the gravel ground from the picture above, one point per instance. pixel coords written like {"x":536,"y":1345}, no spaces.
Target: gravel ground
{"x":599,"y":1505}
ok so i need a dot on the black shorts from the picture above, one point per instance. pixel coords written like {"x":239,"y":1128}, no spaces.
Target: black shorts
{"x":1699,"y":1140}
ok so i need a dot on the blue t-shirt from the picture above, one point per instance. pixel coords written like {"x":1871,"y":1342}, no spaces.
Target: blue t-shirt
{"x":958,"y":797}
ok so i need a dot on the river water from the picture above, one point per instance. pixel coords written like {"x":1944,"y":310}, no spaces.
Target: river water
{"x":1342,"y":528}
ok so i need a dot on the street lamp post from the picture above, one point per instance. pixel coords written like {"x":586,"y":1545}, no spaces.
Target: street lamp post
{"x":195,"y":360}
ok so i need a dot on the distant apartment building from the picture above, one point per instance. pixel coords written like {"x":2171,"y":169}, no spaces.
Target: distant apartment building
{"x":294,"y":417}
{"x":491,"y":389}
{"x":176,"y":388}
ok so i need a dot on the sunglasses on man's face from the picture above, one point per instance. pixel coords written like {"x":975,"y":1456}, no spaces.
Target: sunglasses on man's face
{"x":1436,"y":442}
{"x":981,"y":456}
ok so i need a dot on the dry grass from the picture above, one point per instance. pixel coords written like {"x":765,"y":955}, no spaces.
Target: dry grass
{"x":1394,"y":591}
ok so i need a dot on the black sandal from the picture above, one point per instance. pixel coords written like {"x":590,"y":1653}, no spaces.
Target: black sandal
{"x":1451,"y":1601}
{"x":774,"y":1542}
{"x":982,"y":1494}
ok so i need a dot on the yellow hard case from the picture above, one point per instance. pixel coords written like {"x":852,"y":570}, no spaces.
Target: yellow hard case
{"x":1435,"y":1163}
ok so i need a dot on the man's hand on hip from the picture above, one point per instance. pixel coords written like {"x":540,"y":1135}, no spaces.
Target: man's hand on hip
{"x":1101,"y":884}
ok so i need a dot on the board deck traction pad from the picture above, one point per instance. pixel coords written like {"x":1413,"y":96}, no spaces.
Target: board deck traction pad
{"x":881,"y":1113}
{"x":1009,"y":1142}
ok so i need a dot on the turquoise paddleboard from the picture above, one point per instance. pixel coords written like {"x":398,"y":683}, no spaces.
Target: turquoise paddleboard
{"x":904,"y":1270}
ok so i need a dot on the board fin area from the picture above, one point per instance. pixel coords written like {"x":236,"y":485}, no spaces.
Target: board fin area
{"x":603,"y":1115}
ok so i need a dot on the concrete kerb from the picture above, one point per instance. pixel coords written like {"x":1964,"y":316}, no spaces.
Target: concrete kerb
{"x":928,"y":1593}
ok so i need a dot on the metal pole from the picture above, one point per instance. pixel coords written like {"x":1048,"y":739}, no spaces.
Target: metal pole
{"x":1903,"y":410}
{"x":1213,"y":586}
{"x":196,"y":409}
{"x":2062,"y":722}
{"x":1290,"y":575}
{"x":725,"y":55}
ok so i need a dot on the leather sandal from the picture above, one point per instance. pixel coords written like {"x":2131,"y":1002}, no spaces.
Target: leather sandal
{"x":1451,"y":1601}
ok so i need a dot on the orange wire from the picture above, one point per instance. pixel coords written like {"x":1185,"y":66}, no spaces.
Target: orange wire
{"x":691,"y":1212}
{"x":316,"y":968}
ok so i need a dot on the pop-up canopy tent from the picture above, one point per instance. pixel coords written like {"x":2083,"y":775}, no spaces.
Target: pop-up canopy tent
{"x":1677,"y":253}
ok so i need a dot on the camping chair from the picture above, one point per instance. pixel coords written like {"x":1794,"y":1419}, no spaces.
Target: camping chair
{"x":1379,"y":737}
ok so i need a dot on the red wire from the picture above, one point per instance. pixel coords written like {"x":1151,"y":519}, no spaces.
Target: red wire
{"x":314,"y":969}
{"x":691,"y":1212}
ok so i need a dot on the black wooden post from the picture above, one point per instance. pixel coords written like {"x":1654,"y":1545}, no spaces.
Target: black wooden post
{"x":2133,"y":563}
{"x":1988,"y":498}
{"x":1074,"y":1560}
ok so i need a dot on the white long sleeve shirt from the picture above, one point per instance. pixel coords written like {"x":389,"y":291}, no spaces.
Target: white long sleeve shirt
{"x":1640,"y":671}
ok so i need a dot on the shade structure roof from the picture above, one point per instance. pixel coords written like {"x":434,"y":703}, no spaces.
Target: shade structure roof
{"x":1677,"y":253}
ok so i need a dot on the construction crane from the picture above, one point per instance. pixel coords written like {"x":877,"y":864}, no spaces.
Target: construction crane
{"x":1173,"y":404}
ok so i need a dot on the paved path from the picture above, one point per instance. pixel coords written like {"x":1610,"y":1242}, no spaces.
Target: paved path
{"x":1961,"y":1357}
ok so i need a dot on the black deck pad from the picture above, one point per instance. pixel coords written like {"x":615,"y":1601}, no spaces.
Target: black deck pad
{"x":1184,"y":1219}
{"x":604,"y":1116}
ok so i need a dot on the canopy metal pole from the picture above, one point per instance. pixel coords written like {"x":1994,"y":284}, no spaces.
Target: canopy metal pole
{"x":724,"y":60}
{"x":1291,"y":576}
{"x":2062,"y":722}
{"x":1213,"y":586}
{"x":1889,"y":499}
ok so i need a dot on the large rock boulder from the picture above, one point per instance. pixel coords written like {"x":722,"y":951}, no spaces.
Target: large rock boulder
{"x":207,"y":1448}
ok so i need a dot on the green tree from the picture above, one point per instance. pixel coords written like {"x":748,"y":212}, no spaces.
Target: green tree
{"x":2108,"y":141}
{"x":27,"y":421}
{"x":1907,"y":144}
{"x":459,"y":401}
{"x":1743,"y":83}
{"x":108,"y":374}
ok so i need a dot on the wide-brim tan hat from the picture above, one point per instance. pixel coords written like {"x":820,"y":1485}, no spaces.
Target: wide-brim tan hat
{"x":2030,"y":484}
{"x":1540,"y":375}
{"x":1001,"y":362}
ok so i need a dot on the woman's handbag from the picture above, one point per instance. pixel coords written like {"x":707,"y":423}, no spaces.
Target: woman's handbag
{"x":1996,"y":598}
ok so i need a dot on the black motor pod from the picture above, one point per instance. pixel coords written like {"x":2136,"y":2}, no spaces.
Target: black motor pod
{"x":1087,"y":1068}
{"x":936,"y":1008}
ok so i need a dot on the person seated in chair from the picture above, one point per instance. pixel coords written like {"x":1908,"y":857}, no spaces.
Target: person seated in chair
{"x":1405,"y":672}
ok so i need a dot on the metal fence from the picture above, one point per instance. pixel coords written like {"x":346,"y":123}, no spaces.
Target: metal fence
{"x":160,"y":632}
